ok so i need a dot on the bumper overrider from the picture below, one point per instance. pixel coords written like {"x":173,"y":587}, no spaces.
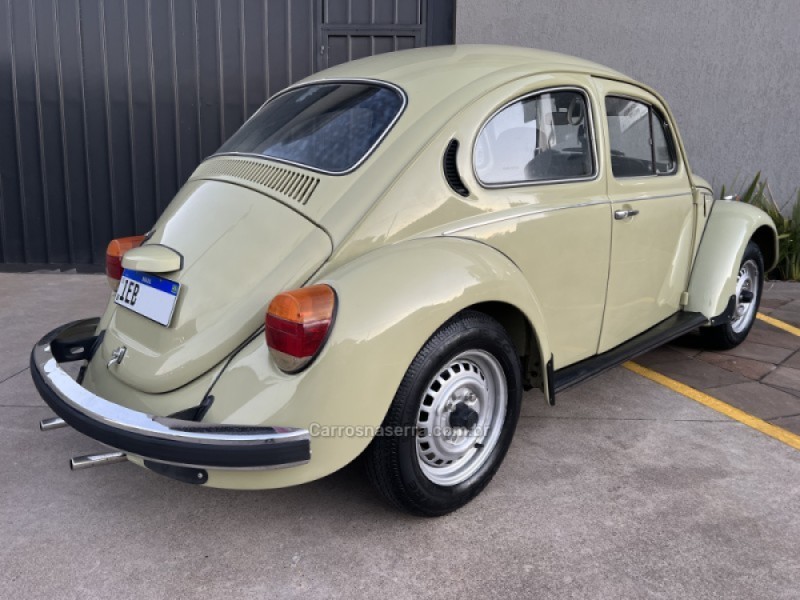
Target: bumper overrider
{"x":168,"y":445}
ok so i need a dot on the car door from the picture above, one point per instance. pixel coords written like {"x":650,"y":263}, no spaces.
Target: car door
{"x":535,"y":161}
{"x":652,"y":211}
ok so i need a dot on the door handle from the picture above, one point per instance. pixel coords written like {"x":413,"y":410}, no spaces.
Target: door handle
{"x":619,"y":215}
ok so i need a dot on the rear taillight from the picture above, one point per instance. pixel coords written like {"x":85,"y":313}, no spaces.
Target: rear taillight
{"x":297,"y":325}
{"x":116,"y":248}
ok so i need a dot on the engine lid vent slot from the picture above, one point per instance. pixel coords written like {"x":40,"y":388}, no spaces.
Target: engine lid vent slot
{"x":292,"y":184}
{"x":450,"y":168}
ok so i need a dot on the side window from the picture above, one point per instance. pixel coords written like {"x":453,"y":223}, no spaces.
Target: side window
{"x":640,"y":140}
{"x":545,"y":137}
{"x":664,"y":151}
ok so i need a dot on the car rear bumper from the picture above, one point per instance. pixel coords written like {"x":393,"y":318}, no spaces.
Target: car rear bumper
{"x":163,"y":440}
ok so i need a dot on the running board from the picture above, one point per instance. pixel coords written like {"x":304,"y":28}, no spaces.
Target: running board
{"x":669,"y":329}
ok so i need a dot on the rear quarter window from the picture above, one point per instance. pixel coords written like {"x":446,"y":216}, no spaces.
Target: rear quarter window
{"x":546,"y":136}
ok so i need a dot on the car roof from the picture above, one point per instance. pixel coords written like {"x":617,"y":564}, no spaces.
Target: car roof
{"x":446,"y":68}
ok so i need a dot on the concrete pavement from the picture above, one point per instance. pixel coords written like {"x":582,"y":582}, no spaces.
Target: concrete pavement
{"x":623,"y":490}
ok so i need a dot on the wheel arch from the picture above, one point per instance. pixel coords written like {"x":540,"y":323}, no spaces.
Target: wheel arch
{"x":731,"y":226}
{"x":476,"y":277}
{"x":522,"y":334}
{"x":767,"y":240}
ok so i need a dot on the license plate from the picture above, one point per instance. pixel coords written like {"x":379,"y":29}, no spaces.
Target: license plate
{"x":148,"y":295}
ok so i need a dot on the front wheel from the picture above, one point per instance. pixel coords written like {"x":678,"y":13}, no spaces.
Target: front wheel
{"x":749,"y":284}
{"x":451,"y":420}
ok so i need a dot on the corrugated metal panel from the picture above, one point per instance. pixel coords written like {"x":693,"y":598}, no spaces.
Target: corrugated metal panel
{"x":107,"y":106}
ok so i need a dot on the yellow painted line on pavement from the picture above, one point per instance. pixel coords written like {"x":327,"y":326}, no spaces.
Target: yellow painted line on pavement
{"x":773,"y":431}
{"x":779,"y":324}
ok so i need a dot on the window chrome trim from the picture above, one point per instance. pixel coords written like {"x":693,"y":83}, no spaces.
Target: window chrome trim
{"x":325,"y":81}
{"x":532,"y":182}
{"x":668,"y":129}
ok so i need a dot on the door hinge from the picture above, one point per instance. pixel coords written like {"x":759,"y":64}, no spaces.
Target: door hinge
{"x":684,"y":298}
{"x":699,"y":199}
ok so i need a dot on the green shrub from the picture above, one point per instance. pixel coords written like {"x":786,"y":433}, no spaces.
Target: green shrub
{"x":758,"y":194}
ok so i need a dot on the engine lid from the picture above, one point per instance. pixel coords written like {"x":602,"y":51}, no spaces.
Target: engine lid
{"x":239,"y":249}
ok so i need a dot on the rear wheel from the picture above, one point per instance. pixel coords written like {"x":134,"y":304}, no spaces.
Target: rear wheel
{"x":749,"y":283}
{"x":452,"y":419}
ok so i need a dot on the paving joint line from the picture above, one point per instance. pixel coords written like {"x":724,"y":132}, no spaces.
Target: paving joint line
{"x":736,"y":414}
{"x":14,"y":375}
{"x":783,"y":417}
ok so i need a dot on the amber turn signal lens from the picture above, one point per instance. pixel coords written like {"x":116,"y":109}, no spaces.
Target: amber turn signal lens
{"x":114,"y":251}
{"x":297,"y":325}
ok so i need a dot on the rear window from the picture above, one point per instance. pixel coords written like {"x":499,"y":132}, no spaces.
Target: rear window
{"x":329,"y":127}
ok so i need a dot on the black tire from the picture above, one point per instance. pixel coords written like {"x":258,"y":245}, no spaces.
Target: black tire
{"x":726,"y":335}
{"x":392,"y":462}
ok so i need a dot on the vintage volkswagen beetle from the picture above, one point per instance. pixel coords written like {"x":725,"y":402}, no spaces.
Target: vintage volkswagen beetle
{"x":385,"y":256}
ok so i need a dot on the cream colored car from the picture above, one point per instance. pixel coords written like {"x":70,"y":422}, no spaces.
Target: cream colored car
{"x":384,"y":257}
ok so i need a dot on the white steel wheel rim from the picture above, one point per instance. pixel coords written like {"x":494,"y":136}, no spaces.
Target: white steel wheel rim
{"x":447,"y":454}
{"x":747,"y":281}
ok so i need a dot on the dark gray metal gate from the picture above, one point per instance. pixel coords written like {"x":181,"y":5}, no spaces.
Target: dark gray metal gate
{"x":106,"y":106}
{"x":352,"y":30}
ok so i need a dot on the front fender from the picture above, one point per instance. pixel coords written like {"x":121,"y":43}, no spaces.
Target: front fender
{"x":730,"y":227}
{"x":390,"y":302}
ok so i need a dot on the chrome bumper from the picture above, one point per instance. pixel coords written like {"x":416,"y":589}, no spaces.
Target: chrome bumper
{"x":163,"y":440}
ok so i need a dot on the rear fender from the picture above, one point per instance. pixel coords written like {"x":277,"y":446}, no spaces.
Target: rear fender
{"x":730,"y":228}
{"x":389,"y":302}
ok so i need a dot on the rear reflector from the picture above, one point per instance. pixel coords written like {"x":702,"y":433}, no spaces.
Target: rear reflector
{"x":297,"y":325}
{"x":116,"y":248}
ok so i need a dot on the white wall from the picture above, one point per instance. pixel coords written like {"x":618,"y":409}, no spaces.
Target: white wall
{"x":729,"y":69}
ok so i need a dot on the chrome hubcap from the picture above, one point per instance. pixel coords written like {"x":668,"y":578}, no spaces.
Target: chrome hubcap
{"x":746,"y":295}
{"x":460,"y":417}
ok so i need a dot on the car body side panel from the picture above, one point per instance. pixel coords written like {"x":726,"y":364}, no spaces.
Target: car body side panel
{"x":649,"y":272}
{"x":558,"y":234}
{"x":730,"y":227}
{"x":651,"y":251}
{"x":419,"y":201}
{"x":389,"y":303}
{"x":563,"y":252}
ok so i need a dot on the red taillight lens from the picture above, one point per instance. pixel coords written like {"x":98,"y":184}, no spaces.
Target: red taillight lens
{"x":116,"y":248}
{"x":297,"y":325}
